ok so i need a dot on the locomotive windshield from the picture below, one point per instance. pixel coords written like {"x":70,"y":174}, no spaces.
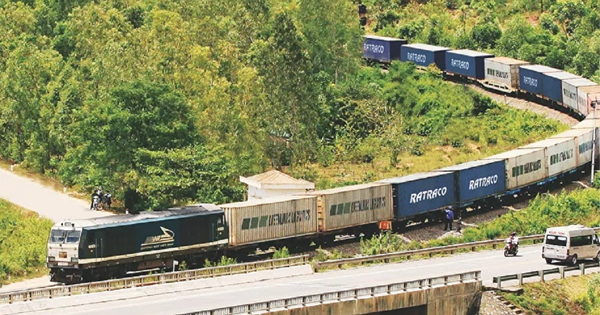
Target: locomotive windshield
{"x":64,"y":236}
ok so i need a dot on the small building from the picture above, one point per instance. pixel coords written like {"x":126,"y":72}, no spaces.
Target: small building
{"x":274,"y":183}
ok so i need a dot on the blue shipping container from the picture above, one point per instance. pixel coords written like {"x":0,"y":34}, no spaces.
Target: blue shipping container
{"x":531,"y":78}
{"x":466,"y":62}
{"x":420,"y":193}
{"x":382,"y":48}
{"x":424,"y":55}
{"x":478,"y":179}
{"x":552,"y":85}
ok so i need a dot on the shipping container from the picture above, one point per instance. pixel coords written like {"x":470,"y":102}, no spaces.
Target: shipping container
{"x":570,"y":90}
{"x":503,"y":72}
{"x":523,"y":167}
{"x":466,"y":62}
{"x":270,"y":219}
{"x":424,"y":55}
{"x":559,"y":154}
{"x":552,"y":84}
{"x":588,"y":123}
{"x":353,"y":205}
{"x":478,"y":179}
{"x":380,"y":48}
{"x":531,"y":78}
{"x":583,"y":142}
{"x":585,"y":96}
{"x":422,"y":192}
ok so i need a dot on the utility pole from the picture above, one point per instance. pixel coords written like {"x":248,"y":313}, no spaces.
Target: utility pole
{"x":594,"y":103}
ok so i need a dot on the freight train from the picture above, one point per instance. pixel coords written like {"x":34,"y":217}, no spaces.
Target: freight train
{"x":114,"y":246}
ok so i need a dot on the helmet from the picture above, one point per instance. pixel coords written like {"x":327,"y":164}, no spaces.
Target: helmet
{"x":513,"y":234}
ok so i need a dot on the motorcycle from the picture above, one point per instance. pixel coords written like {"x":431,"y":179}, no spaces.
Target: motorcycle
{"x":95,"y":202}
{"x":510,"y":248}
{"x":101,"y":202}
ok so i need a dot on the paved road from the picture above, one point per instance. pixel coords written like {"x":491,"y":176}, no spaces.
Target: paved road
{"x":193,"y":296}
{"x":43,"y":200}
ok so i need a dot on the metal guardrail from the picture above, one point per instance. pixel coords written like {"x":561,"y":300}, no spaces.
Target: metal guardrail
{"x":345,"y":295}
{"x":179,"y":276}
{"x":541,"y":273}
{"x":425,"y":251}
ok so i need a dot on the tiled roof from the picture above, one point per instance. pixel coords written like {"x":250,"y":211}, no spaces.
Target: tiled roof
{"x":276,"y":179}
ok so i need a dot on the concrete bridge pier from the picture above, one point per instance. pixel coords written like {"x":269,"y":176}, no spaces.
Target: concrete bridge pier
{"x":456,"y":299}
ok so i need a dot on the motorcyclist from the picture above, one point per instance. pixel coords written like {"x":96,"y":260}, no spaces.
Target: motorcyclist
{"x":514,"y":240}
{"x":97,"y":193}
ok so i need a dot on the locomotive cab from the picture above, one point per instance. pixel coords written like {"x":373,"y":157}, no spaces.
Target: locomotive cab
{"x":63,"y":248}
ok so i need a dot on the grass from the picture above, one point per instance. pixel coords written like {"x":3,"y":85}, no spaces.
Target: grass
{"x":507,"y":132}
{"x":23,"y":238}
{"x":576,"y":295}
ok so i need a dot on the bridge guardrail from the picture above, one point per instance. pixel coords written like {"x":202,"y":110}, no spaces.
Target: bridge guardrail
{"x":337,"y":296}
{"x":541,"y":273}
{"x":425,"y":251}
{"x":146,"y":280}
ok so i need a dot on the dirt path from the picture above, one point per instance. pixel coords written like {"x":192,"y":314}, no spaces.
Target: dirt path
{"x":47,"y":202}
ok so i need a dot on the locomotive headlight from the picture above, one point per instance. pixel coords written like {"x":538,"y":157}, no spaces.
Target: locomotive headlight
{"x":74,"y":259}
{"x":51,"y":258}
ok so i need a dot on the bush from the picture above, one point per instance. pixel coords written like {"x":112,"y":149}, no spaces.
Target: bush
{"x":281,"y":253}
{"x":23,"y":241}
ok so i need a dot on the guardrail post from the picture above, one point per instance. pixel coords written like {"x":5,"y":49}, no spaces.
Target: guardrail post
{"x":561,"y":270}
{"x":541,"y":273}
{"x":520,"y":278}
{"x":356,"y":292}
{"x":582,"y":268}
{"x":445,"y":280}
{"x":499,"y":282}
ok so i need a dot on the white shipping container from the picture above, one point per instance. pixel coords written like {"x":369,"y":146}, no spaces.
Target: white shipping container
{"x":355,"y":205}
{"x":504,"y":71}
{"x":270,"y":219}
{"x":585,"y":96}
{"x":523,"y":167}
{"x":570,"y":91}
{"x":583,"y":143}
{"x":559,"y":154}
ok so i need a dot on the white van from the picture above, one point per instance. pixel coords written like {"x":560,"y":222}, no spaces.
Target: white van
{"x":570,"y":243}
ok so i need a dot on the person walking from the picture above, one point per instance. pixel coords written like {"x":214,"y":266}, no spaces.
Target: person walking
{"x":449,"y":219}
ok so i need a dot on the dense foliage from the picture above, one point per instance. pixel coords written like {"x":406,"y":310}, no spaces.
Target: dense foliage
{"x":163,"y":103}
{"x":403,"y":121}
{"x":168,"y":101}
{"x":562,"y":34}
{"x":23,"y":239}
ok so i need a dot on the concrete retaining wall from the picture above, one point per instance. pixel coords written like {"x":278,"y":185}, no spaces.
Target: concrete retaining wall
{"x":457,"y":299}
